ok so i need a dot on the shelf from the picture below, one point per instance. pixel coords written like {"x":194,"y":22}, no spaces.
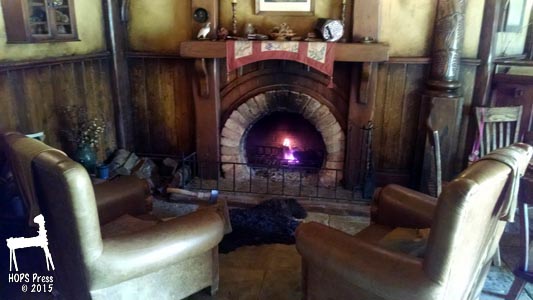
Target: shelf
{"x":349,"y":52}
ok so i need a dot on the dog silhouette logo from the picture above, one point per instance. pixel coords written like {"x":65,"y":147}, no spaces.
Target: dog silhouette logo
{"x":40,"y":240}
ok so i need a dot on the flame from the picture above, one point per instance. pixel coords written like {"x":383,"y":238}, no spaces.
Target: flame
{"x":287,"y":142}
{"x":288,"y":153}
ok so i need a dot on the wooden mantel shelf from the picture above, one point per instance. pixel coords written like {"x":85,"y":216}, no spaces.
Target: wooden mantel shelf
{"x":351,"y":52}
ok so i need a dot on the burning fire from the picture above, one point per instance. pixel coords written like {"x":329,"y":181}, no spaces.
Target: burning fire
{"x":287,"y":142}
{"x":288,"y":153}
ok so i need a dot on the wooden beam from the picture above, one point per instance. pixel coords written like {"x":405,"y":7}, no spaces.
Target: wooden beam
{"x":206,"y":92}
{"x":363,"y":89}
{"x":5,"y":66}
{"x":348,"y":52}
{"x":487,"y":47}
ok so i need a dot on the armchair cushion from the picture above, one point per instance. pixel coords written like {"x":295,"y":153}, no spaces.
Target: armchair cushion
{"x":129,"y":256}
{"x":123,"y":195}
{"x":398,"y":206}
{"x":385,"y":274}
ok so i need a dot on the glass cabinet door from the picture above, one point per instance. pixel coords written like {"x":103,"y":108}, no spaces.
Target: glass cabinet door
{"x":38,"y":18}
{"x":62,"y":17}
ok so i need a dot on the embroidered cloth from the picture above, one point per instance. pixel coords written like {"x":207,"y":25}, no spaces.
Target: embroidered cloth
{"x":317,"y":55}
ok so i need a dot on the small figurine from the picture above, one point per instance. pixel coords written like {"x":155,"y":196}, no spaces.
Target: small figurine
{"x":204,"y":31}
{"x":222,"y":33}
{"x":249,"y":29}
{"x":282,"y":32}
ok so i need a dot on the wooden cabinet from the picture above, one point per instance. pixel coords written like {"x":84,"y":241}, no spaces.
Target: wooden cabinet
{"x":34,"y":21}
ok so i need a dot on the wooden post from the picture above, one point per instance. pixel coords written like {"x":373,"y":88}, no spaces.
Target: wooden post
{"x":363,"y":90}
{"x":442,"y":101}
{"x":485,"y":70}
{"x":120,"y":84}
{"x":206,"y":92}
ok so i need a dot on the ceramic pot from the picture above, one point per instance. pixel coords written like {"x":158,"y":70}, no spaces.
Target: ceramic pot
{"x":86,"y":156}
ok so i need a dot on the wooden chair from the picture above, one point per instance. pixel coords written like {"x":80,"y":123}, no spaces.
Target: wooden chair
{"x":498,"y":127}
{"x":524,"y":271}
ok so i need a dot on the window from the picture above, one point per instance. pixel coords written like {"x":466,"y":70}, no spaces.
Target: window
{"x":33,"y":21}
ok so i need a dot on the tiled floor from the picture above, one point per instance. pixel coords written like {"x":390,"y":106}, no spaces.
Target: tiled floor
{"x":273,"y":271}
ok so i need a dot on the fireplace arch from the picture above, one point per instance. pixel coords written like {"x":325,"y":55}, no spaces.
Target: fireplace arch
{"x":241,"y":119}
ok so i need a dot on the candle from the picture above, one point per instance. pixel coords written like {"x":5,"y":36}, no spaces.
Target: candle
{"x":234,"y":1}
{"x":343,"y":1}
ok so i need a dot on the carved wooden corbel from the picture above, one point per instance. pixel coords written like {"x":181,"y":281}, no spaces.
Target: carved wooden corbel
{"x":364,"y":89}
{"x":202,"y":77}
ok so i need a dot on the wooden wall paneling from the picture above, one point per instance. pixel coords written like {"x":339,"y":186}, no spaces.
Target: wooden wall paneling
{"x":168,"y":105}
{"x":392,"y":117}
{"x":379,"y":116}
{"x":414,"y":83}
{"x":80,"y":90}
{"x":47,"y":102}
{"x":139,"y":96}
{"x":396,"y":117}
{"x":157,"y":129}
{"x":20,"y":101}
{"x":32,"y":96}
{"x":184,"y":107}
{"x":104,"y":95}
{"x":8,"y":119}
{"x":162,"y":105}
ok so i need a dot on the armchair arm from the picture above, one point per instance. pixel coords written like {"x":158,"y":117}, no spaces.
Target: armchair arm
{"x":166,"y":243}
{"x":387,"y":274}
{"x":123,"y":195}
{"x":398,"y":206}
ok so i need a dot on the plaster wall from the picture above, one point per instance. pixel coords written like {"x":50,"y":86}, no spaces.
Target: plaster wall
{"x":159,"y":25}
{"x":89,"y":18}
{"x":406,"y":25}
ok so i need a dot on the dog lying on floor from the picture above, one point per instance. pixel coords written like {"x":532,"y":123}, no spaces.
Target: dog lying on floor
{"x":272,"y":221}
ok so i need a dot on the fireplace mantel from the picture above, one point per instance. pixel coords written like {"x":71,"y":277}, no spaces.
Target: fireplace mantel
{"x":348,"y":52}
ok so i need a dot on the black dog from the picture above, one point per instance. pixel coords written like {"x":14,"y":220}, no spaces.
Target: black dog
{"x":272,"y":221}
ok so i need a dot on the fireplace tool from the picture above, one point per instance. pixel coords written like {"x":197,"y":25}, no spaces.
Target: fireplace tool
{"x":369,"y":180}
{"x":211,"y":197}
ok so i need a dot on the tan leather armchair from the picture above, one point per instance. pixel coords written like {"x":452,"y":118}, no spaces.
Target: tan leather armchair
{"x":99,"y":251}
{"x":466,"y":225}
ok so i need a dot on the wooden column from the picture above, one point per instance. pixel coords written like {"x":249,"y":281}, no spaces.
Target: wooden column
{"x":484,"y":73}
{"x":442,"y":100}
{"x":206,"y":92}
{"x":120,"y":84}
{"x":363,"y":90}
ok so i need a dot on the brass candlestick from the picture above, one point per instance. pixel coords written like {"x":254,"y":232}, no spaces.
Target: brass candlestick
{"x":343,"y":12}
{"x":234,"y":17}
{"x":343,"y":19}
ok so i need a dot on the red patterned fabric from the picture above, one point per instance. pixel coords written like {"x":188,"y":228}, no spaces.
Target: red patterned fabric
{"x":317,"y":55}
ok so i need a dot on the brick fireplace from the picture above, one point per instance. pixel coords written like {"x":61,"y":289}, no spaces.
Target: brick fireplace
{"x":242,"y":119}
{"x":227,"y":105}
